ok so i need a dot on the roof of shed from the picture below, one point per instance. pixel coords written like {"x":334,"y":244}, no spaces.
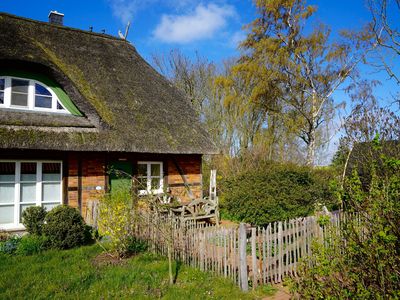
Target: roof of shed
{"x":127,"y":105}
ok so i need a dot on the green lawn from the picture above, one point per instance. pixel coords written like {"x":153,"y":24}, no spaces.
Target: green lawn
{"x":72,"y":275}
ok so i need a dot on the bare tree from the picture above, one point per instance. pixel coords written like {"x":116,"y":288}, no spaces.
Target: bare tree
{"x":386,"y":33}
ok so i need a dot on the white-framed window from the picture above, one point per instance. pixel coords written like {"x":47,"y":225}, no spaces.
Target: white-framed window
{"x":150,"y":177}
{"x":27,"y":183}
{"x":28,"y":94}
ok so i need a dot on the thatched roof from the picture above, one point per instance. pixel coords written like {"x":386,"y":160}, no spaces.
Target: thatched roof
{"x":127,"y":105}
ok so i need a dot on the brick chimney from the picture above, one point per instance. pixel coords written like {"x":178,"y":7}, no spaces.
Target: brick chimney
{"x":56,"y":18}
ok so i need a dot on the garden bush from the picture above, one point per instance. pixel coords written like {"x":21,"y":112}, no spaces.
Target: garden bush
{"x":367,"y":266}
{"x":33,"y":219}
{"x":10,"y":245}
{"x":273,"y":192}
{"x":64,"y":227}
{"x":135,"y":246}
{"x":31,"y":244}
{"x":116,"y":220}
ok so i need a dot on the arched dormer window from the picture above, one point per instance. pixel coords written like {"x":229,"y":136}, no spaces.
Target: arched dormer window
{"x":29,"y":94}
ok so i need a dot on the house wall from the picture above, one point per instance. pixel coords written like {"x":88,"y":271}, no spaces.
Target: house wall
{"x":86,"y":179}
{"x":85,"y":175}
{"x":191,"y":167}
{"x":91,"y":183}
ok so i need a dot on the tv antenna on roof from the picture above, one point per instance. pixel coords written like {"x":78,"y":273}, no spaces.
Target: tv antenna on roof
{"x":124,"y":36}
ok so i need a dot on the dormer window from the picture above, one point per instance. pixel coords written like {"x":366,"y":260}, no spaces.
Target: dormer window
{"x":29,"y":94}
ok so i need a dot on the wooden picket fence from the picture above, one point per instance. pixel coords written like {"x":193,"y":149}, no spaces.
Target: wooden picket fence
{"x":249,"y":256}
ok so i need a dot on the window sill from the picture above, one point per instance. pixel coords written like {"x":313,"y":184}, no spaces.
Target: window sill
{"x":12,"y":227}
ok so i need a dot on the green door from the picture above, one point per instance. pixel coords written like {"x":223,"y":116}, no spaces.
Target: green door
{"x":120,"y":173}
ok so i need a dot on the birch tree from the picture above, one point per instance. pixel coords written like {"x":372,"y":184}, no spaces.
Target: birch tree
{"x":294,"y":67}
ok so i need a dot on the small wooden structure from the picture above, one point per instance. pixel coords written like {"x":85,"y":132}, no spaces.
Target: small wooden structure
{"x":202,"y":209}
{"x":199,"y":209}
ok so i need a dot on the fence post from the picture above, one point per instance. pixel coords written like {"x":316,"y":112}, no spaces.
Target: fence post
{"x":244,"y":282}
{"x":254,"y":256}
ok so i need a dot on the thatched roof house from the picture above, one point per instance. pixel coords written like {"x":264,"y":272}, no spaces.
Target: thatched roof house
{"x":72,"y":104}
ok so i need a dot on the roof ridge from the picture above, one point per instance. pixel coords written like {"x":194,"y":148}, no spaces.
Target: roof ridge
{"x":63,"y":27}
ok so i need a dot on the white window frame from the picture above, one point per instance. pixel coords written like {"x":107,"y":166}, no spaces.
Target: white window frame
{"x":31,"y":97}
{"x":16,"y":225}
{"x":148,"y":176}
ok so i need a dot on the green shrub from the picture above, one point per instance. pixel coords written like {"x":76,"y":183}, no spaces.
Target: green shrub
{"x":136,"y":246}
{"x":363,"y":260}
{"x":33,"y":219}
{"x":10,"y":245}
{"x":64,"y":227}
{"x":275,"y":192}
{"x":116,"y":220}
{"x":31,"y":244}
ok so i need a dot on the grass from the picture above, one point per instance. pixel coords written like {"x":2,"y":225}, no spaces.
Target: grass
{"x":71,"y":275}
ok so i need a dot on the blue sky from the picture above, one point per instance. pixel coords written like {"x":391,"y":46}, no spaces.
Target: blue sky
{"x":211,"y":27}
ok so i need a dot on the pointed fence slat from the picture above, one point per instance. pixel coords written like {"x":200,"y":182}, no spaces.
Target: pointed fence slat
{"x":245,"y":255}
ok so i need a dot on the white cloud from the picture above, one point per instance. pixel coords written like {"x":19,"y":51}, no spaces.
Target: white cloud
{"x":202,"y":23}
{"x":125,"y":10}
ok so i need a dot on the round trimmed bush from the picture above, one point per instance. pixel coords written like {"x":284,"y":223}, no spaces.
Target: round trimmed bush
{"x":33,"y":219}
{"x":275,"y":192}
{"x":64,"y":227}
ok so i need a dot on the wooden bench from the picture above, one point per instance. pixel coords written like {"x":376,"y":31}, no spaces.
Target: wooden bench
{"x":198,"y":209}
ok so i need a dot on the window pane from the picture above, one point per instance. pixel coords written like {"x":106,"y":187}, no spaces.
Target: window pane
{"x":142,"y":169}
{"x":43,"y":101}
{"x":28,"y":192}
{"x":142,"y":183}
{"x":7,"y":192}
{"x":1,"y":97}
{"x":28,"y":172}
{"x":52,"y":177}
{"x":51,"y":192}
{"x":51,"y":172}
{"x":155,"y":170}
{"x":28,"y":177}
{"x":1,"y":84}
{"x":51,"y":168}
{"x":155,"y":183}
{"x":59,"y":106}
{"x":19,"y":99}
{"x":7,"y":214}
{"x":19,"y":85}
{"x":50,"y":206}
{"x":7,"y":171}
{"x":41,"y":90}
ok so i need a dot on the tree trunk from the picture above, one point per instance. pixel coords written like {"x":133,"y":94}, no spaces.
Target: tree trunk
{"x":311,"y":147}
{"x":312,"y":132}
